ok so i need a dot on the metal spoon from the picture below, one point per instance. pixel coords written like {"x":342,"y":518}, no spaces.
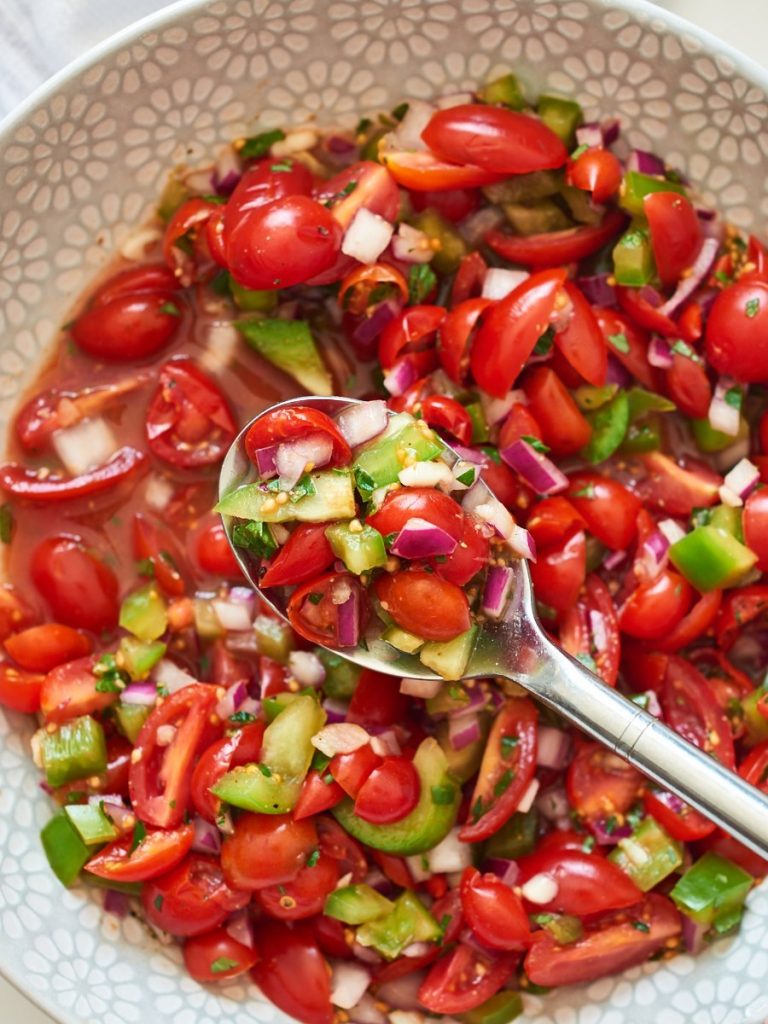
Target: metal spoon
{"x":516,"y":647}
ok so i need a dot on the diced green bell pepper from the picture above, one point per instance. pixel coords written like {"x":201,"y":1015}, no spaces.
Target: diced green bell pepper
{"x":452,"y":247}
{"x":609,"y":427}
{"x":642,"y":402}
{"x":272,"y":706}
{"x":502,"y":1008}
{"x":480,"y":432}
{"x":130,"y":718}
{"x":92,"y":823}
{"x":728,"y":519}
{"x":66,"y":852}
{"x":649,"y":855}
{"x":637,"y":186}
{"x":251,"y":301}
{"x":341,"y":675}
{"x":360,"y":551}
{"x":273,"y":785}
{"x":402,"y":640}
{"x":273,"y":637}
{"x":74,"y":750}
{"x":642,"y":437}
{"x":356,"y":904}
{"x":562,"y":116}
{"x":464,"y":763}
{"x":145,"y":613}
{"x":409,"y":921}
{"x":633,"y":258}
{"x":139,"y":658}
{"x":710,"y":440}
{"x":428,"y":823}
{"x":581,"y":206}
{"x":517,"y":838}
{"x":711,"y":559}
{"x":378,"y":465}
{"x":536,"y":218}
{"x":563,"y":928}
{"x":712,"y":892}
{"x":589,"y":398}
{"x":524,"y":188}
{"x":449,"y":659}
{"x":505,"y":91}
{"x":289,"y":345}
{"x":333,"y":499}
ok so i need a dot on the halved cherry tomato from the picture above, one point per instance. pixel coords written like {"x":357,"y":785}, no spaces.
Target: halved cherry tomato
{"x":465,"y":978}
{"x":313,"y":613}
{"x":304,"y":556}
{"x":189,"y":422}
{"x":373,"y":189}
{"x":643,"y":669}
{"x":189,"y":226}
{"x":551,"y":519}
{"x":158,"y":852}
{"x":355,"y":290}
{"x":377,"y":701}
{"x":191,"y":898}
{"x":688,"y":385}
{"x":655,"y":607}
{"x":468,"y":557}
{"x":424,"y":172}
{"x":216,"y":956}
{"x":303,"y":897}
{"x":338,"y":844}
{"x":563,"y":426}
{"x":161,"y":778}
{"x":493,"y":911}
{"x":635,"y":303}
{"x":156,"y":544}
{"x":736,"y":342}
{"x":675,"y":234}
{"x":691,"y":322}
{"x":454,"y":336}
{"x":607,"y":947}
{"x":292,"y":972}
{"x":581,"y":341}
{"x":740,"y":607}
{"x":591,"y":628}
{"x":586,"y":884}
{"x":319,"y":792}
{"x":292,"y":423}
{"x":395,"y":868}
{"x":506,"y":770}
{"x":694,"y":624}
{"x":242,"y":747}
{"x":264,"y":182}
{"x":600,"y":783}
{"x":389,"y":793}
{"x":678,"y":818}
{"x":20,"y":690}
{"x":597,"y":171}
{"x":69,"y":690}
{"x":510,"y":330}
{"x":468,"y":282}
{"x":51,"y":488}
{"x":502,"y":481}
{"x":41,"y":648}
{"x":560,"y":570}
{"x":755,"y":520}
{"x":352,"y":770}
{"x":214,"y":555}
{"x":266,"y":849}
{"x":424,"y":604}
{"x":453,"y":205}
{"x":673,"y":489}
{"x":399,"y":507}
{"x":609,"y":509}
{"x":628,"y":343}
{"x":411,"y":331}
{"x":754,"y":767}
{"x":448,"y":416}
{"x":556,"y":248}
{"x":691,"y":709}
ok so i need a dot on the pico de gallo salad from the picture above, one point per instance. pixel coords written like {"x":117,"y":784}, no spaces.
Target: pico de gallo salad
{"x":593,"y":342}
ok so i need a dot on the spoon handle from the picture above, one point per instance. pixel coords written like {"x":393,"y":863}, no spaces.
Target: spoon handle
{"x":661,"y":754}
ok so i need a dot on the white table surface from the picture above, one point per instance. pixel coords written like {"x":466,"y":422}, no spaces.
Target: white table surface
{"x":37,"y":37}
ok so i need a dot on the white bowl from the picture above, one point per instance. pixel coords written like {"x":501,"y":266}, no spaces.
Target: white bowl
{"x":82,"y":162}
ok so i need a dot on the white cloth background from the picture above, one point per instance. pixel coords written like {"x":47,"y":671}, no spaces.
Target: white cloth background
{"x":38,"y":37}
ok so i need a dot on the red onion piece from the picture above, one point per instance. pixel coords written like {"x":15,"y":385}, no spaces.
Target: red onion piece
{"x":232,"y":699}
{"x":264,"y":460}
{"x":597,"y":290}
{"x":143,"y":694}
{"x":348,"y":619}
{"x":607,"y":835}
{"x":423,"y":688}
{"x":293,"y":457}
{"x":234,"y":616}
{"x":117,"y":903}
{"x":539,"y":472}
{"x":400,"y":377}
{"x":617,"y":374}
{"x":554,"y":747}
{"x":335,"y":710}
{"x":122,"y":817}
{"x":366,"y":333}
{"x":498,"y":586}
{"x":470,"y":454}
{"x":499,"y":282}
{"x":660,"y":354}
{"x":497,"y":409}
{"x":693,"y":935}
{"x":507,"y":870}
{"x":240,"y":928}
{"x":361,"y":423}
{"x":613,"y":560}
{"x":743,"y":478}
{"x":339,"y":145}
{"x":207,"y":838}
{"x":553,"y":803}
{"x":590,"y":135}
{"x":688,"y":285}
{"x":410,"y":245}
{"x":477,"y":701}
{"x":652,"y":557}
{"x":525,"y":803}
{"x":421,"y":539}
{"x":386,"y":743}
{"x":463,"y":731}
{"x":645,"y":163}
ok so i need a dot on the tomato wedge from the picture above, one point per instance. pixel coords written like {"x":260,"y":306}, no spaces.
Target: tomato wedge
{"x":425,"y":172}
{"x":691,"y":709}
{"x":156,"y":853}
{"x":591,"y":628}
{"x":587,"y":883}
{"x":465,"y":978}
{"x":304,"y":556}
{"x":555,"y":248}
{"x":493,"y":911}
{"x":581,"y":341}
{"x":600,"y":783}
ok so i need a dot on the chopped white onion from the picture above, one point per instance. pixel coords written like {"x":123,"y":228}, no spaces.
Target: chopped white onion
{"x":406,"y":1017}
{"x":84,"y":446}
{"x":234,"y":616}
{"x":424,"y":688}
{"x":295,"y":458}
{"x":407,"y":135}
{"x":367,"y":1012}
{"x":306,"y":668}
{"x":427,"y":474}
{"x":412,"y":245}
{"x":729,"y":497}
{"x":222,"y":341}
{"x":499,"y":282}
{"x":340,"y":738}
{"x":743,"y":478}
{"x":526,"y":800}
{"x":299,"y":141}
{"x":540,"y":889}
{"x":165,"y":735}
{"x":671,"y":530}
{"x":386,"y":744}
{"x":167,"y":674}
{"x":349,"y":983}
{"x":158,"y":492}
{"x":135,"y":246}
{"x":367,"y":236}
{"x":497,"y":409}
{"x":722,"y":415}
{"x":361,"y":423}
{"x":450,"y":855}
{"x":419,"y":867}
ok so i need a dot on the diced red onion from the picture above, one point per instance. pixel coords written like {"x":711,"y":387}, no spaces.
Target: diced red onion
{"x":463,"y":731}
{"x":367,"y":236}
{"x":399,"y":377}
{"x":451,"y":854}
{"x":293,"y":457}
{"x":122,"y":817}
{"x":553,"y":803}
{"x":339,"y":145}
{"x":234,"y":616}
{"x":386,"y":744}
{"x":645,"y":163}
{"x":597,"y":290}
{"x":306,"y":668}
{"x":743,"y":478}
{"x":729,"y":497}
{"x":525,"y":802}
{"x":499,"y":282}
{"x":651,"y":295}
{"x":264,"y":459}
{"x":497,"y":409}
{"x":653,"y":706}
{"x":206,"y":838}
{"x":251,"y":706}
{"x":613,"y":560}
{"x":611,"y":127}
{"x":590,"y":135}
{"x":349,"y":983}
{"x":539,"y":472}
{"x":411,"y":245}
{"x":470,"y":454}
{"x":403,"y":994}
{"x":498,"y":586}
{"x":553,"y":747}
{"x":368,"y":956}
{"x":477,"y":701}
{"x":117,"y":903}
{"x":240,"y":928}
{"x":365,"y":335}
{"x":617,"y":373}
{"x":423,"y":688}
{"x":507,"y":870}
{"x":348,"y":620}
{"x":671,"y":530}
{"x":609,"y":835}
{"x":421,"y":539}
{"x":660,"y":354}
{"x":335,"y":710}
{"x":232,"y":699}
{"x":688,"y":285}
{"x":693,"y":935}
{"x":652,"y":557}
{"x":340,"y":738}
{"x":142,"y":694}
{"x":361,"y":423}
{"x":723,"y":416}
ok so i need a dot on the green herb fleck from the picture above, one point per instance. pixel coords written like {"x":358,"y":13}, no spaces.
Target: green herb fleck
{"x":74,"y":796}
{"x":286,"y":165}
{"x":224,"y":963}
{"x":170,"y":308}
{"x":364,"y":483}
{"x":535,"y":443}
{"x":752,"y":308}
{"x":589,"y":844}
{"x":544,"y":345}
{"x":504,"y":782}
{"x":139,"y":833}
{"x":421,"y":281}
{"x":619,"y":342}
{"x":242,"y":717}
{"x":109,"y":677}
{"x":579,"y":151}
{"x":733,"y":397}
{"x":146,"y":567}
{"x":158,"y":901}
{"x":314,"y":598}
{"x":508,"y":744}
{"x":303,"y":489}
{"x":585,"y":492}
{"x":467,"y":477}
{"x":641,"y":926}
{"x":258,"y":145}
{"x":313,"y":858}
{"x":265,"y":770}
{"x":255,"y":537}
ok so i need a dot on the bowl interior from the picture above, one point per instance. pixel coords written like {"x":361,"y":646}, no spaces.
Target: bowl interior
{"x":81,"y":166}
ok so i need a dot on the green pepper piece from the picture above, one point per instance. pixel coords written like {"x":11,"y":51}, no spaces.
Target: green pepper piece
{"x":505,"y":91}
{"x":341,"y":675}
{"x":480,"y":432}
{"x":711,"y":559}
{"x":356,"y":904}
{"x":561,"y":115}
{"x":370,"y":148}
{"x":502,"y":1008}
{"x":130,"y":718}
{"x":609,"y":426}
{"x":642,"y":437}
{"x":464,"y":763}
{"x":756,"y":724}
{"x":637,"y":186}
{"x":64,"y":848}
{"x":360,"y":552}
{"x":712,"y":892}
{"x":402,"y":640}
{"x":649,"y":855}
{"x":378,"y":465}
{"x":728,"y":519}
{"x":289,"y":345}
{"x":563,"y":928}
{"x":253,"y":301}
{"x":524,"y":188}
{"x":139,"y":658}
{"x":451,"y":248}
{"x":710,"y":440}
{"x":633,"y":258}
{"x":589,"y":398}
{"x":449,"y":659}
{"x":427,"y":824}
{"x":274,"y":638}
{"x":409,"y":921}
{"x":172,"y":197}
{"x":642,"y":402}
{"x":331,"y":498}
{"x":145,"y":613}
{"x":537,"y":218}
{"x":272,"y":706}
{"x":92,"y":824}
{"x":580,"y":204}
{"x":74,"y":750}
{"x":273,"y":786}
{"x":517,"y":837}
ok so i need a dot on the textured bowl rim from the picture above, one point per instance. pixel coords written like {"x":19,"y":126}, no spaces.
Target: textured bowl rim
{"x":164,"y":18}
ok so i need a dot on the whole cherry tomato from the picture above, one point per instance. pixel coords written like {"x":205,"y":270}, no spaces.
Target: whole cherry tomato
{"x":424,"y":604}
{"x":600,"y":783}
{"x":79,"y":588}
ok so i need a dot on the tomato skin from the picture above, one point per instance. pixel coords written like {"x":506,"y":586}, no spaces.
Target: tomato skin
{"x":122,"y":325}
{"x":293,"y":423}
{"x":453,"y":205}
{"x":587,"y":883}
{"x":242,"y":747}
{"x":551,"y":519}
{"x":351,"y":770}
{"x":157,"y":853}
{"x":600,"y":783}
{"x":317,"y":795}
{"x":356,"y":288}
{"x":377,"y":701}
{"x":69,"y":690}
{"x":192,"y":222}
{"x":606,"y":948}
{"x":495,"y":138}
{"x":677,"y":818}
{"x":454,"y":334}
{"x":305,"y":555}
{"x":691,"y":709}
{"x":555,"y":248}
{"x":425,"y":172}
{"x":559,"y":572}
{"x":20,"y":690}
{"x":657,"y":606}
{"x":339,"y":845}
{"x":674,"y":490}
{"x":410,"y":331}
{"x":78,"y":587}
{"x":374,"y":189}
{"x":399,"y":507}
{"x":582,"y":342}
{"x":739,"y":608}
{"x":591,"y":627}
{"x":688,"y":386}
{"x":283,"y":243}
{"x":154,"y":542}
{"x":736,"y":331}
{"x":292,"y":972}
{"x":493,"y":911}
{"x":517,"y":718}
{"x":389,"y":793}
{"x":755,"y":520}
{"x":519,"y":423}
{"x":644,"y":314}
{"x":609,"y":509}
{"x":318,"y":620}
{"x":510,"y":330}
{"x":266,"y":849}
{"x":675,"y":234}
{"x":468,"y":557}
{"x":730,"y":848}
{"x":192,"y":898}
{"x":42,"y":648}
{"x":447,"y":415}
{"x":424,"y":604}
{"x":563,"y":426}
{"x":305,"y":895}
{"x":464,"y":978}
{"x":214,"y":555}
{"x":503,"y":483}
{"x":597,"y":171}
{"x":694,"y":624}
{"x":613,"y":323}
{"x":202,"y":951}
{"x":261,"y":185}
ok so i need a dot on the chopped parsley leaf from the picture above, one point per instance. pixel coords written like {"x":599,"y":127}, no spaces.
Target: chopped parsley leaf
{"x":619,"y":342}
{"x":258,"y":145}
